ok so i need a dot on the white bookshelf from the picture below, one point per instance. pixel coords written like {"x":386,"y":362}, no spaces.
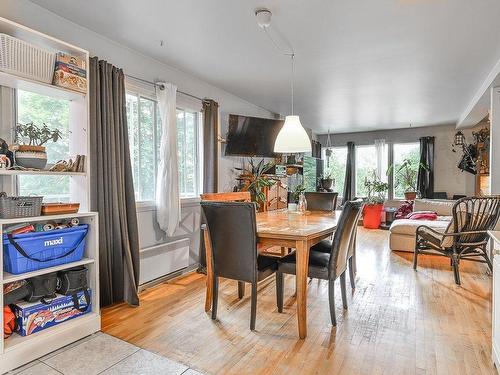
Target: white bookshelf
{"x":16,"y":350}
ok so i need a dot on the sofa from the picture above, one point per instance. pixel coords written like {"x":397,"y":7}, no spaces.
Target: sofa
{"x":402,"y":231}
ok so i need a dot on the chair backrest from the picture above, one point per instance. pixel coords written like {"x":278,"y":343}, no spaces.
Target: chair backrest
{"x":352,"y":244}
{"x":342,"y":238}
{"x":475,"y":214}
{"x":234,"y":196}
{"x":233,"y":235}
{"x":321,"y":201}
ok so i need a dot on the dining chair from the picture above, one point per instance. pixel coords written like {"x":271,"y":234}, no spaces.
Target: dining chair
{"x":466,"y":237}
{"x":232,"y":251}
{"x":318,"y":201}
{"x":325,"y":265}
{"x":233,"y":196}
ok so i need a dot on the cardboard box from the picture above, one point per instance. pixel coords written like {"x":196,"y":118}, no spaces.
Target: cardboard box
{"x":35,"y":316}
{"x":71,"y":60}
{"x":70,"y":81}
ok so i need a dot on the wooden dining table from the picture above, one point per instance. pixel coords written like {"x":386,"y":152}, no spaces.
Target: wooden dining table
{"x":294,"y":230}
{"x":299,"y":231}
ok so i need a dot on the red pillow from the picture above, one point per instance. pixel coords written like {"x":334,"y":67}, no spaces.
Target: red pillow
{"x":422,"y":215}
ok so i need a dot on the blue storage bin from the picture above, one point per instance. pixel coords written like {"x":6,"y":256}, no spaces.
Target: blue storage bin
{"x":33,"y":251}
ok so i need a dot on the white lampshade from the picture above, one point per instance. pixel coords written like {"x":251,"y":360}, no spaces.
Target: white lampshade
{"x":292,"y":137}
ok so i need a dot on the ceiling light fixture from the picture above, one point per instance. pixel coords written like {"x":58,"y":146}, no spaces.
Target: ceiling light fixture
{"x":292,"y":138}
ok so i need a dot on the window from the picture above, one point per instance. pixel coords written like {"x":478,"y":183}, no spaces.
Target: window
{"x":368,"y":164}
{"x":402,"y":152}
{"x":41,"y":109}
{"x":144,"y":128}
{"x":187,"y":146}
{"x":143,"y":121}
{"x":335,"y":165}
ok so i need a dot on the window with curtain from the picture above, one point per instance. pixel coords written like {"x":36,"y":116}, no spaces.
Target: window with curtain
{"x":335,"y":165}
{"x":368,"y":164}
{"x":55,"y":113}
{"x":403,"y":151}
{"x":144,"y":128}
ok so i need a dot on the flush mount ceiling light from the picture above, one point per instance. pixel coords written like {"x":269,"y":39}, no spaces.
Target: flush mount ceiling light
{"x":292,"y":137}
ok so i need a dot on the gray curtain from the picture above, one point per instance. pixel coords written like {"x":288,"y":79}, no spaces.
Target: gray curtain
{"x":425,"y":177}
{"x":349,"y":173}
{"x":210,"y":144}
{"x":112,"y":187}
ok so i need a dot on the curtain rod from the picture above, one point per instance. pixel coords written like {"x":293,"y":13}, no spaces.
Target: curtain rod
{"x":161,"y":86}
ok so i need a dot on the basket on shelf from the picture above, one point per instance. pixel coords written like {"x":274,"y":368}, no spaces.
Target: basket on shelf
{"x":25,"y":59}
{"x":25,"y":206}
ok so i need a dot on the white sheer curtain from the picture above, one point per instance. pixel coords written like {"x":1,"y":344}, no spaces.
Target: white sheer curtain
{"x":168,"y":206}
{"x":381,"y":150}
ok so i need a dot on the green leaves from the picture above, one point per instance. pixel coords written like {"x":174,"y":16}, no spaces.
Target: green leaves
{"x":36,"y":136}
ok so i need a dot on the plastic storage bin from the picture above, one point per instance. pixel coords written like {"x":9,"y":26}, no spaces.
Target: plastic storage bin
{"x":33,"y":251}
{"x":25,"y":59}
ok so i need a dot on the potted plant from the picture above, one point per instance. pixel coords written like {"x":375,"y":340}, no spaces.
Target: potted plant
{"x":374,"y":202}
{"x":29,"y":149}
{"x":294,"y":197}
{"x":406,"y":175}
{"x":256,"y":180}
{"x":326,"y":182}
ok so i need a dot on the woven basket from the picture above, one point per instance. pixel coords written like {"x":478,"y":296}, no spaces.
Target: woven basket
{"x":12,"y":207}
{"x":26,"y":60}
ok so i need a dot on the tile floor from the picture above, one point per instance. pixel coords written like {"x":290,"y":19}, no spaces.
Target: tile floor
{"x":106,"y":355}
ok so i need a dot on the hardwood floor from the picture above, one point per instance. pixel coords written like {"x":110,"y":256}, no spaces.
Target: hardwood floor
{"x":398,"y":322}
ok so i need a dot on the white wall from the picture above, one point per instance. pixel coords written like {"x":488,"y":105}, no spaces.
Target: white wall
{"x":447,"y":177}
{"x":138,"y":65}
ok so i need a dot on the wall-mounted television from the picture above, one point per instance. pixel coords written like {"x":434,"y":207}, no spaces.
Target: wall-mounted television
{"x":251,"y":136}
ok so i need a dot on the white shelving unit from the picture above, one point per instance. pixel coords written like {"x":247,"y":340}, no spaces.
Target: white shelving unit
{"x":17,"y":350}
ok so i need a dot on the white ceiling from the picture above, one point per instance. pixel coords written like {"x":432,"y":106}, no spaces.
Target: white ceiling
{"x":360,"y":65}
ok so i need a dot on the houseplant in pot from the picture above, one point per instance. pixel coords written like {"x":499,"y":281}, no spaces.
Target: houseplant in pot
{"x":29,"y":149}
{"x":294,"y":197}
{"x":374,"y":202}
{"x":406,"y":177}
{"x":326,"y":182}
{"x":256,"y":182}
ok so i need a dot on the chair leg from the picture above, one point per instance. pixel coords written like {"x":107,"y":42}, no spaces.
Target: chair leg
{"x":331,"y":300}
{"x":352,"y":275}
{"x":215,"y":296}
{"x":343,"y":290}
{"x":241,"y":289}
{"x":456,"y":273}
{"x":253,"y":306}
{"x":415,"y":257}
{"x":279,"y":291}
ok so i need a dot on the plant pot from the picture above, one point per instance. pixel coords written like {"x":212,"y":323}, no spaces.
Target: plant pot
{"x":410,"y":195}
{"x":31,"y":157}
{"x":326,"y":183}
{"x":372,"y":215}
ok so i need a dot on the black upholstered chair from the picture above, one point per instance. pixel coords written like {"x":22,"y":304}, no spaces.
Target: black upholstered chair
{"x":467,"y":235}
{"x":233,"y":236}
{"x":326,"y":265}
{"x":318,"y":201}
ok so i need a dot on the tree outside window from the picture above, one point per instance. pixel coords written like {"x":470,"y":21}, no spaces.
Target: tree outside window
{"x":402,"y":152}
{"x":335,"y":166}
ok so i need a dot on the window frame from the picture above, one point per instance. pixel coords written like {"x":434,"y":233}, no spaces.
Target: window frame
{"x":141,"y":90}
{"x":392,"y":177}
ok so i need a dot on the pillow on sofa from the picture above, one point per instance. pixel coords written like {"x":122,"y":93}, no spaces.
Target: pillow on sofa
{"x":440,"y":206}
{"x":422,"y":215}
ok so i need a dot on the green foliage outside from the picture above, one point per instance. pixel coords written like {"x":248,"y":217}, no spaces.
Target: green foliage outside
{"x":54,"y":113}
{"x":366,"y":166}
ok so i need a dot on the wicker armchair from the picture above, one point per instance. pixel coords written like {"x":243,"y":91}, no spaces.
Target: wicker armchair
{"x":467,"y":235}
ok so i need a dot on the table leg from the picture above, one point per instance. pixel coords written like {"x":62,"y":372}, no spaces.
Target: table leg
{"x":302,"y":251}
{"x":210,"y":275}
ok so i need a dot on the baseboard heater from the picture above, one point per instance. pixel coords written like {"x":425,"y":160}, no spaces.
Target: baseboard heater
{"x":163,"y":259}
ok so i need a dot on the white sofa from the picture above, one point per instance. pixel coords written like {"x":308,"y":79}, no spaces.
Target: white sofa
{"x":402,"y":231}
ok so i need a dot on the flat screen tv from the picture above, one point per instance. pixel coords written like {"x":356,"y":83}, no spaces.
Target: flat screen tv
{"x":251,"y":136}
